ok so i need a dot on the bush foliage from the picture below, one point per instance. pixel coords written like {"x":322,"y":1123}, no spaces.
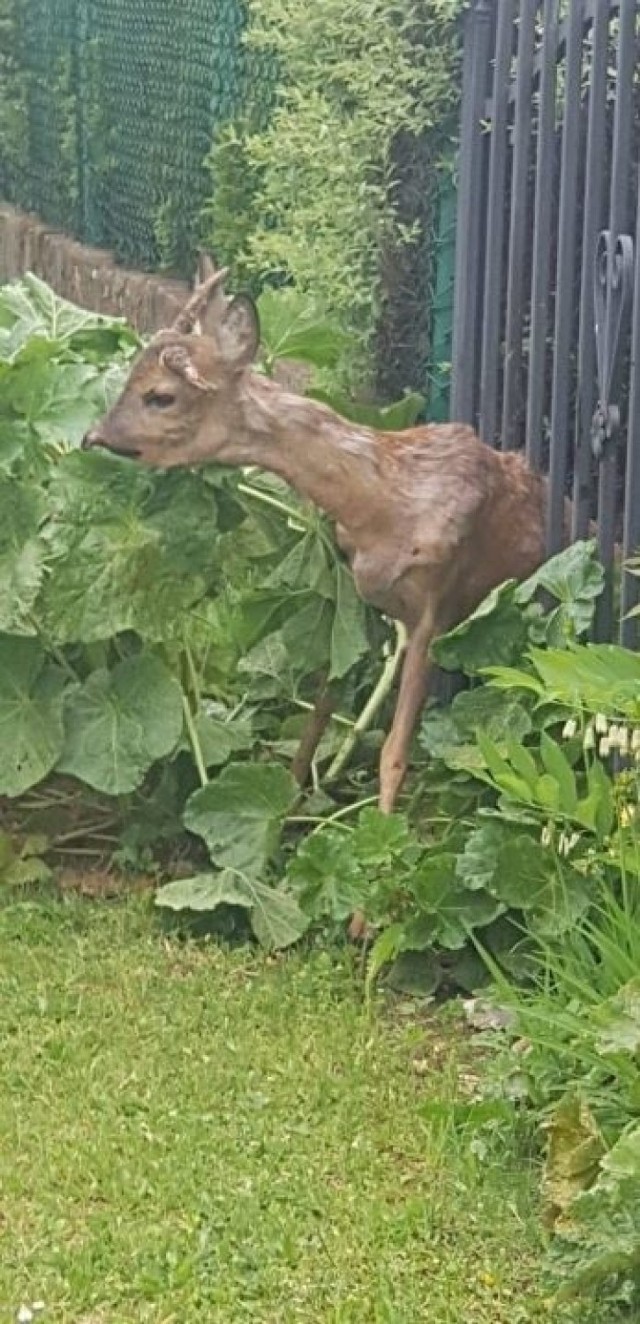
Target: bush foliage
{"x":320,"y":183}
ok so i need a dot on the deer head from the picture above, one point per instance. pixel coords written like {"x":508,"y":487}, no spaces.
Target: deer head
{"x":182,"y":399}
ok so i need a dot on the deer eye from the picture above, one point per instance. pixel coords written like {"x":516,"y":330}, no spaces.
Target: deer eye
{"x":159,"y":399}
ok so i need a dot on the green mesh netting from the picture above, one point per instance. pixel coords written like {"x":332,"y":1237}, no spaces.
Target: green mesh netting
{"x":164,"y":74}
{"x":37,"y":102}
{"x":115,"y":105}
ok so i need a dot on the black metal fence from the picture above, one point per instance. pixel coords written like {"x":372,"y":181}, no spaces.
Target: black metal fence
{"x":546,"y":349}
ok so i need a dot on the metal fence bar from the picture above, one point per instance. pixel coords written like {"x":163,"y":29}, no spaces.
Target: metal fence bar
{"x":545,"y":161}
{"x":592,"y":8}
{"x":513,"y":364}
{"x":488,"y":426}
{"x":565,"y":279}
{"x":477,"y":32}
{"x":619,"y":207}
{"x":592,"y":222}
{"x":631,"y":535}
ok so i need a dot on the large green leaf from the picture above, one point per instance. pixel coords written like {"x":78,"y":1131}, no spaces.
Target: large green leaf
{"x":30,"y":311}
{"x":276,"y":918}
{"x":240,"y":815}
{"x":327,"y":877}
{"x":559,"y":768}
{"x":120,"y":722}
{"x":501,"y":774}
{"x":597,"y":809}
{"x":501,"y":716}
{"x":22,"y":555}
{"x":514,"y":867}
{"x":204,"y":892}
{"x":509,"y":864}
{"x":401,"y":414}
{"x":292,"y":328}
{"x":268,"y":667}
{"x":447,"y":911}
{"x":449,"y":733}
{"x":313,"y":621}
{"x":59,"y":401}
{"x":597,"y":677}
{"x":349,"y":639}
{"x":307,"y":565}
{"x":129,"y":549}
{"x":575,"y":578}
{"x":382,"y":838}
{"x":496,"y":632}
{"x":31,"y":702}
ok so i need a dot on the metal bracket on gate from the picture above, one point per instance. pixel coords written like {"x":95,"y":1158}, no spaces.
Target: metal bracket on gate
{"x":613,"y":288}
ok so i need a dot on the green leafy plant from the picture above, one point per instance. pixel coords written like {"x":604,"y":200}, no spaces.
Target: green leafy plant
{"x":21,"y":863}
{"x":579,"y":1017}
{"x":180,"y":621}
{"x":579,"y":1023}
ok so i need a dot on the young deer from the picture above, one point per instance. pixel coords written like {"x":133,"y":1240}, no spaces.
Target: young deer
{"x":431,"y":519}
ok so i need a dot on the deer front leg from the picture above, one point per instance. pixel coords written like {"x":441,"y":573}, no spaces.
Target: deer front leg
{"x":414,"y":683}
{"x":314,"y":729}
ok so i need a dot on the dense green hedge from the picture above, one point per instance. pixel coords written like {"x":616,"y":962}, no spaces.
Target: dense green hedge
{"x":339,"y":187}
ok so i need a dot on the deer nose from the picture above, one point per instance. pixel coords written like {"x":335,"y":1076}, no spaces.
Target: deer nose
{"x":91,"y":438}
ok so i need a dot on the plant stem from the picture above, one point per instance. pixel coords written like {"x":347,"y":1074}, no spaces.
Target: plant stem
{"x":194,"y":741}
{"x":274,"y":502}
{"x":298,"y":520}
{"x":372,"y":706}
{"x":95,"y":831}
{"x":336,"y":818}
{"x":314,"y":818}
{"x":193,"y":675}
{"x":336,"y":717}
{"x":55,"y":651}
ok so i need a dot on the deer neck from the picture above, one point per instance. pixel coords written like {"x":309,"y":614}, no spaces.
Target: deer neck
{"x":326,"y":459}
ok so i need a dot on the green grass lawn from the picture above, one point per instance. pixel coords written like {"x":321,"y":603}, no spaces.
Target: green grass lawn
{"x":188,"y":1134}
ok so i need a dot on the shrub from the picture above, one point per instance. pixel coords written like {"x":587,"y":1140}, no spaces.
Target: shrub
{"x":334,"y":189}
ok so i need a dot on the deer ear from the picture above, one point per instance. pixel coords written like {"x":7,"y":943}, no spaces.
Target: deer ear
{"x":238,"y":331}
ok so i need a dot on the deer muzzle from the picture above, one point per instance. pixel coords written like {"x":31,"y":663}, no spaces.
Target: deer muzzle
{"x":95,"y":440}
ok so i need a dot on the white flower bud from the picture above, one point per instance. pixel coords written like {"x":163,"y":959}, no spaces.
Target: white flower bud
{"x":569,"y":729}
{"x":601,"y":724}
